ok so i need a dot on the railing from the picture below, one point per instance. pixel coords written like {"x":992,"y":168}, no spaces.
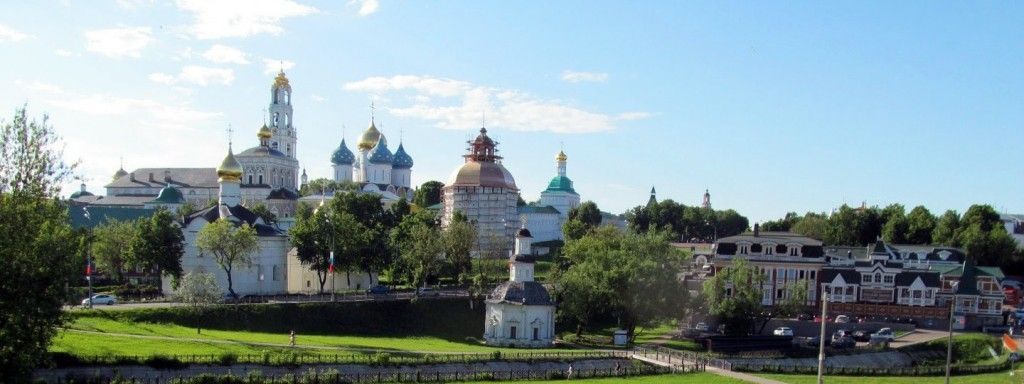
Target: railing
{"x":286,"y":359}
{"x":875,"y":371}
{"x":687,"y":361}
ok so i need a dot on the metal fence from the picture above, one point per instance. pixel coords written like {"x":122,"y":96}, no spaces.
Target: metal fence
{"x":387,"y":377}
{"x":383,"y":358}
{"x":931,"y":370}
{"x":682,"y":358}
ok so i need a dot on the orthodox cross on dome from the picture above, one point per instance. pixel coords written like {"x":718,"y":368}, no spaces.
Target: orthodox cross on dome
{"x":372,"y":110}
{"x":230,"y":131}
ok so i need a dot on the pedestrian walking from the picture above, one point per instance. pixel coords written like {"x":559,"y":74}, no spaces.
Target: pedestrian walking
{"x":568,"y":374}
{"x":291,"y":338}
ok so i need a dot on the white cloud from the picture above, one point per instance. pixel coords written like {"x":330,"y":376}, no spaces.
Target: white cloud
{"x":197,"y":75}
{"x":156,"y":113}
{"x":366,"y":7}
{"x":11,"y":34}
{"x":162,"y":78}
{"x":272,"y":66}
{"x":118,"y":42}
{"x":578,"y":77}
{"x":456,"y":104}
{"x":65,"y":53}
{"x":225,"y":54}
{"x":240,"y":18}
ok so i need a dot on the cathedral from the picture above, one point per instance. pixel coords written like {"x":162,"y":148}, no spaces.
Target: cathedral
{"x":376,"y":170}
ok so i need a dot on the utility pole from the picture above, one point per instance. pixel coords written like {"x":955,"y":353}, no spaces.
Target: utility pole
{"x":821,"y":341}
{"x":88,"y":258}
{"x":949,"y":341}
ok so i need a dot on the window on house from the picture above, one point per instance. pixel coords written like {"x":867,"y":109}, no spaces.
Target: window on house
{"x":888,"y":279}
{"x":793,"y":251}
{"x":728,"y":292}
{"x":536,"y":333}
{"x":780,"y":293}
{"x":791,"y":274}
{"x":866,"y":277}
{"x":837,"y":291}
{"x":917,"y":294}
{"x":928,"y":294}
{"x":512,"y":332}
{"x":800,"y":274}
{"x":904,"y":292}
{"x":812,"y":275}
{"x":878,"y":277}
{"x":849,"y":291}
{"x":261,"y":179}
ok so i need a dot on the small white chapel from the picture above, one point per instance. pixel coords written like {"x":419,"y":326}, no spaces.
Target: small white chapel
{"x":520,"y":311}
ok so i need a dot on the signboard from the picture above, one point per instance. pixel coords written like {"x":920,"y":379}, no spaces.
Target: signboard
{"x":959,"y":322}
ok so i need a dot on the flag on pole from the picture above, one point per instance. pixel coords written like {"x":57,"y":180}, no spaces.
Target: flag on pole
{"x":88,"y":268}
{"x":330,"y":267}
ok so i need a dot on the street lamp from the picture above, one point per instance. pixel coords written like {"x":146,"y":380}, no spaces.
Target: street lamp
{"x":821,"y":337}
{"x":88,"y":258}
{"x":949,"y":341}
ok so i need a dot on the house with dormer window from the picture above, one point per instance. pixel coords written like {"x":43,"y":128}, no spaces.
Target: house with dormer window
{"x":784,"y":259}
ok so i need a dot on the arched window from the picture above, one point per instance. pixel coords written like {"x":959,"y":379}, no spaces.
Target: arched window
{"x":250,"y":179}
{"x":276,"y":116}
{"x":261,"y":179}
{"x":287,"y":120}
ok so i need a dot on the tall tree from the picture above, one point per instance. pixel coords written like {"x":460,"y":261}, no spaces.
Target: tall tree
{"x":946,"y":227}
{"x":896,"y":225}
{"x":813,"y":225}
{"x":197,"y":290}
{"x":921,"y":224}
{"x":982,"y":235}
{"x":734,"y":295}
{"x":782,"y":225}
{"x":458,"y":240}
{"x":422,"y":253}
{"x":38,"y":243}
{"x":374,"y":251}
{"x":230,"y":246}
{"x":160,"y":245}
{"x":112,"y":247}
{"x":635,"y":274}
{"x":428,"y":194}
{"x":580,"y":220}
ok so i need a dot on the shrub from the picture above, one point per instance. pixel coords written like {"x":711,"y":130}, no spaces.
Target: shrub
{"x":227,"y":358}
{"x":163,"y":362}
{"x":496,"y":355}
{"x":380,"y":359}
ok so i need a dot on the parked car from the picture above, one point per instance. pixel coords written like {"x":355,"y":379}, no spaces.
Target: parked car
{"x":842,"y":319}
{"x":702,"y":326}
{"x":804,"y":317}
{"x":101,"y":299}
{"x":379,"y":290}
{"x":861,"y":335}
{"x":427,"y":291}
{"x":815,"y":341}
{"x":783,"y":331}
{"x":884,"y":334}
{"x":844,"y":342}
{"x":839,"y":334}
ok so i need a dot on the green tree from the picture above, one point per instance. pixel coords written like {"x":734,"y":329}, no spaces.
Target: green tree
{"x":197,"y":290}
{"x":322,"y":185}
{"x":588,"y":213}
{"x":896,"y":225}
{"x":264,"y":213}
{"x":160,"y":245}
{"x":734,"y":295}
{"x":921,"y":224}
{"x":374,"y":252}
{"x":38,"y":244}
{"x":730,"y":223}
{"x":428,"y":194}
{"x":315,"y":233}
{"x":813,"y":225}
{"x":421,"y":253}
{"x":458,"y":240}
{"x":230,"y":246}
{"x":982,"y":235}
{"x":782,"y":225}
{"x":112,"y":247}
{"x":636,"y":276}
{"x":946,"y":227}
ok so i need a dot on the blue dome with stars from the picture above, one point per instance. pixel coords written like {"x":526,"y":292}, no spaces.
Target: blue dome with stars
{"x":342,"y":156}
{"x":380,"y":154}
{"x":402,"y":159}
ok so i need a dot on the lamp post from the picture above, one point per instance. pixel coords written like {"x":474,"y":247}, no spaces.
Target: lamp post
{"x":949,"y":340}
{"x":821,"y":338}
{"x":88,"y":258}
{"x":330,"y":235}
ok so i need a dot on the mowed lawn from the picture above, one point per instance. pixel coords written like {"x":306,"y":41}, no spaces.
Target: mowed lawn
{"x":985,"y":378}
{"x":659,"y":379}
{"x":108,"y":339}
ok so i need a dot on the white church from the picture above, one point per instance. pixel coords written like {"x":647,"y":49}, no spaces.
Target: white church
{"x":520,"y":311}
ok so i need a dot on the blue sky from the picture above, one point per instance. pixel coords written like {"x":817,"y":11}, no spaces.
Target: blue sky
{"x":773,"y":106}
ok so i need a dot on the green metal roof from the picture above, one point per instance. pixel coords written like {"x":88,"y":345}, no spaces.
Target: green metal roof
{"x":169,"y":195}
{"x":538,"y":209}
{"x":560,"y":184}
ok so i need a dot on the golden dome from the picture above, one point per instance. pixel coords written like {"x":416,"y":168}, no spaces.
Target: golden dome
{"x":369,"y":138}
{"x":264,"y":132}
{"x":230,"y":169}
{"x":281,"y":81}
{"x":561,"y":156}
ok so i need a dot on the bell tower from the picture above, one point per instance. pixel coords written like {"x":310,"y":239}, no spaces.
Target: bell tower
{"x":280,"y":115}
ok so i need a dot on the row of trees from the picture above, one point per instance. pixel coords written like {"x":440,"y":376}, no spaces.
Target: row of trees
{"x":686,"y":223}
{"x":154,"y":245}
{"x":979,"y":231}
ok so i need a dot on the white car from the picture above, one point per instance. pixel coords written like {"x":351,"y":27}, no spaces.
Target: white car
{"x":884,"y":334}
{"x":702,"y":326}
{"x":100,"y":299}
{"x":842,"y":319}
{"x":783,"y":331}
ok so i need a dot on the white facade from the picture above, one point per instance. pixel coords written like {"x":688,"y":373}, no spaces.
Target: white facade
{"x":303,"y":280}
{"x":374,"y":167}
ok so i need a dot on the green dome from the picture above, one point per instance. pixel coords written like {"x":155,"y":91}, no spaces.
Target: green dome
{"x":170,"y":195}
{"x":560,"y":184}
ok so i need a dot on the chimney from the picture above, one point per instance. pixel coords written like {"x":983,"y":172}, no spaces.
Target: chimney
{"x":757,"y":229}
{"x":151,"y":177}
{"x":167,"y":176}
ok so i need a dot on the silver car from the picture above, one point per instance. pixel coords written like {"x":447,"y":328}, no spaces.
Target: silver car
{"x":101,"y":299}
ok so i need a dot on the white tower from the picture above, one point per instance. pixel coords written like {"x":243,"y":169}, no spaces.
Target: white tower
{"x":280,"y":111}
{"x":229,"y":176}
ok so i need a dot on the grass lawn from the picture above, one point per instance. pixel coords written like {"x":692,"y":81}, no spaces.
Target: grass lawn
{"x":986,"y":378}
{"x":659,"y":379}
{"x":184,"y":340}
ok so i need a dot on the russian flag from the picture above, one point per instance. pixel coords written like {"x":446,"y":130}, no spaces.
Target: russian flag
{"x":88,"y":269}
{"x":330,"y":267}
